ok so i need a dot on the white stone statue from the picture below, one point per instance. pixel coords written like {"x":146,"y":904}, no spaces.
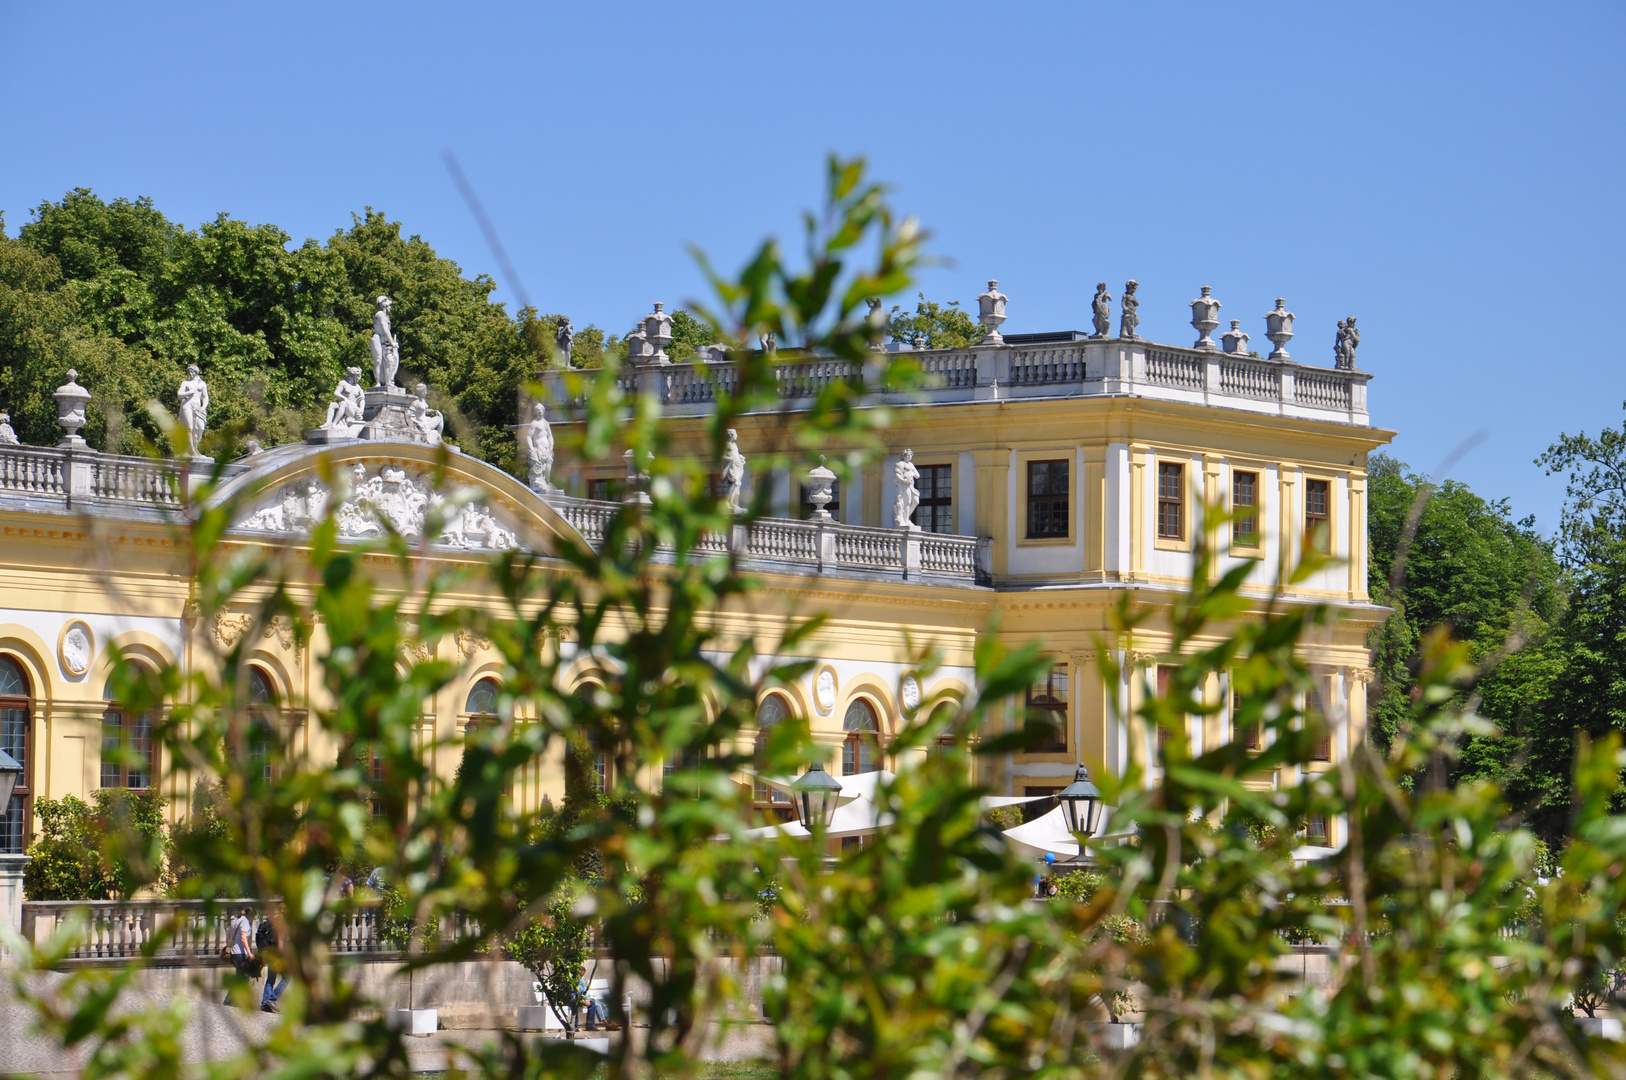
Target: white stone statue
{"x":8,"y":437}
{"x":540,"y":441}
{"x":429,"y":421}
{"x":386,"y":350}
{"x":733,"y":475}
{"x":194,"y":393}
{"x":908,"y":496}
{"x":344,"y":413}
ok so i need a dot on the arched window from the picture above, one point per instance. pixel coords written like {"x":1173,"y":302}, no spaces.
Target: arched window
{"x":262,"y":700}
{"x":861,"y":753}
{"x":260,"y":691}
{"x":128,"y":758}
{"x":14,"y":740}
{"x":600,"y":776}
{"x":482,"y":700}
{"x":774,"y":710}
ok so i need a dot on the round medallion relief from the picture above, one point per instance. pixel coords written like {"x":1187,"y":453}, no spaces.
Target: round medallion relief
{"x":909,"y":692}
{"x":824,"y":689}
{"x":76,"y":648}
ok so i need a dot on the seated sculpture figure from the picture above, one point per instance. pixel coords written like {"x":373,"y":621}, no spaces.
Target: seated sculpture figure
{"x":429,"y":421}
{"x":344,"y":412}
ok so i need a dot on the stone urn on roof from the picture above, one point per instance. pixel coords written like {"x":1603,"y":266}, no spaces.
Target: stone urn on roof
{"x":658,"y":332}
{"x":1205,"y":318}
{"x":71,"y":399}
{"x":991,"y":312}
{"x":1279,"y":329}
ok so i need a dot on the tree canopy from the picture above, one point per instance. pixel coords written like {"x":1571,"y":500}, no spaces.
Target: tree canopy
{"x":128,"y":298}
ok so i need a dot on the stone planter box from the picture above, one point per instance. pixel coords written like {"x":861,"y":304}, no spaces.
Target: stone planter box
{"x":536,"y":1018}
{"x":1601,"y":1027}
{"x":413,"y":1021}
{"x":1115,"y":1036}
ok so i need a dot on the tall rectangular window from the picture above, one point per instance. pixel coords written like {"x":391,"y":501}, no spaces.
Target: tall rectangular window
{"x":604,"y":488}
{"x":1047,"y":499}
{"x":1252,"y":735}
{"x":936,"y":510}
{"x":126,"y":750}
{"x":1047,"y":700}
{"x":1317,"y":514}
{"x":1165,"y":676}
{"x":1314,"y":708}
{"x":1171,"y":501}
{"x":1245,"y":505}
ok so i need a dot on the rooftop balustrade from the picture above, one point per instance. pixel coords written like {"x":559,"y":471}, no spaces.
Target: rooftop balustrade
{"x":822,"y":547}
{"x":1028,"y":367}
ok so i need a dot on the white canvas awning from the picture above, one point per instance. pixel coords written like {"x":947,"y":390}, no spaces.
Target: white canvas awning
{"x":1048,"y":834}
{"x":856,"y":816}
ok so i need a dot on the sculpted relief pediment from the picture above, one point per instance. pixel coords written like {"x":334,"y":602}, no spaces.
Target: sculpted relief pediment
{"x":375,"y":497}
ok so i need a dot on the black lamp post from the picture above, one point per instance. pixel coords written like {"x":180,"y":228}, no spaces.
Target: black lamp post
{"x":1081,"y":804}
{"x":817,"y":793}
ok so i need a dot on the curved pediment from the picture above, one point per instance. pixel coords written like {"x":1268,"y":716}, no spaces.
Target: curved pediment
{"x":373,"y":487}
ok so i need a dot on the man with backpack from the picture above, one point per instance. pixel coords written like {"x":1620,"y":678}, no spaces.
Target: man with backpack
{"x":239,"y":950}
{"x":265,"y":940}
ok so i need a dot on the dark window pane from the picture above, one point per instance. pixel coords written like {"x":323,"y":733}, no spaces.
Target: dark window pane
{"x":1245,"y":500}
{"x":1171,"y":501}
{"x":1047,"y":499}
{"x":936,"y":510}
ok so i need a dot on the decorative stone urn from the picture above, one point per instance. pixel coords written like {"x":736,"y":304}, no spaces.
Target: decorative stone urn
{"x":1235,"y":340}
{"x":71,"y":399}
{"x":820,"y":483}
{"x":1205,"y":319}
{"x":991,"y":312}
{"x":658,"y":332}
{"x":639,"y":350}
{"x":1279,"y":329}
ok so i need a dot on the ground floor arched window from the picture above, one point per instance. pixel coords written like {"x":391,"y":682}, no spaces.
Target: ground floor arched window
{"x":861,"y":752}
{"x":15,"y":739}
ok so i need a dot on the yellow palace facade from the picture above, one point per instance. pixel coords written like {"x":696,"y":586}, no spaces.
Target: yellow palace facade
{"x":1051,"y":476}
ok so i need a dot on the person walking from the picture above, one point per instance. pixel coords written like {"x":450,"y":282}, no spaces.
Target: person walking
{"x":265,"y":940}
{"x":240,"y":948}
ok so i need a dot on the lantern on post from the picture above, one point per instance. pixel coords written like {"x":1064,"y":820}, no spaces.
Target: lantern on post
{"x":11,"y":771}
{"x":817,"y":793}
{"x":1081,"y":804}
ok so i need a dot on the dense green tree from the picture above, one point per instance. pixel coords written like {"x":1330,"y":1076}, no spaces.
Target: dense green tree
{"x":1494,"y":583}
{"x":934,"y":326}
{"x":129,"y":298}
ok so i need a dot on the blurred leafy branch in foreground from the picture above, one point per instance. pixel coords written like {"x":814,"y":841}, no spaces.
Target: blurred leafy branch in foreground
{"x":917,"y":954}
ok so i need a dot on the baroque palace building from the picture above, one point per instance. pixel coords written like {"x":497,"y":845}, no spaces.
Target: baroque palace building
{"x":1044,"y":477}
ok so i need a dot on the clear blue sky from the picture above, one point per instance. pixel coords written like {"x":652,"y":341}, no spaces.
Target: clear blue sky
{"x":1451,"y":175}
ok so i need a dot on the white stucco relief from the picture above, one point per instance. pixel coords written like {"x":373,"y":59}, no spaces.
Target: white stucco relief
{"x":406,"y":501}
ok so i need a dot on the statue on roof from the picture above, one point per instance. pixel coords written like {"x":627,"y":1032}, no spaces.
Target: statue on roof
{"x":733,"y":474}
{"x":1101,"y":307}
{"x":430,"y":422}
{"x":1344,"y":346}
{"x":386,"y":350}
{"x":344,"y":412}
{"x":565,"y":338}
{"x":194,"y":395}
{"x":539,"y":440}
{"x":905,"y":473}
{"x":1131,"y":313}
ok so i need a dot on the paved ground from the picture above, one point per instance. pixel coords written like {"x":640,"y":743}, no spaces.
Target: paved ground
{"x":217,"y":1031}
{"x":214,"y":1032}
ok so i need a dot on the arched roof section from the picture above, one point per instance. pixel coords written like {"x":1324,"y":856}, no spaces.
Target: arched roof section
{"x":288,"y":488}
